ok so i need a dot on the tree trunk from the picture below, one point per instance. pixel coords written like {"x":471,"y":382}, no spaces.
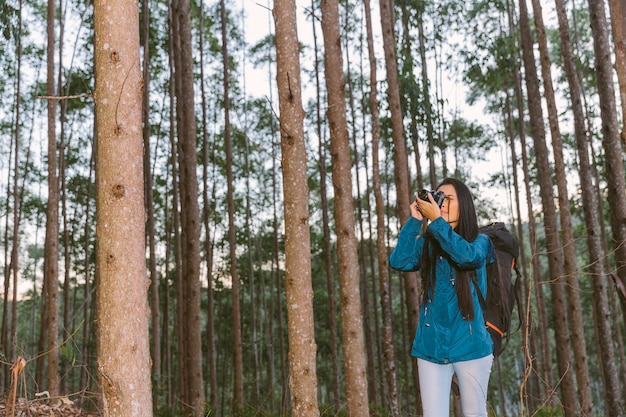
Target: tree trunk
{"x":593,"y":239}
{"x":298,"y":280}
{"x":232,"y":240}
{"x":87,"y":298}
{"x":190,"y":212}
{"x":328,"y":265}
{"x":401,"y":165}
{"x":383,"y":268}
{"x":370,"y":345}
{"x":618,"y":22}
{"x":575,"y":311}
{"x":150,"y":223}
{"x":277,"y":308}
{"x":51,"y":260}
{"x":543,"y":360}
{"x":413,"y":103}
{"x":123,"y":313}
{"x":10,"y":342}
{"x":357,"y":403}
{"x":615,"y":182}
{"x":568,"y":392}
{"x":428,"y":108}
{"x":174,"y":231}
{"x":62,"y":178}
{"x":208,"y":253}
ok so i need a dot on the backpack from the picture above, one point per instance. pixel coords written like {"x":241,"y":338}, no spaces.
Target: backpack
{"x":502,"y":292}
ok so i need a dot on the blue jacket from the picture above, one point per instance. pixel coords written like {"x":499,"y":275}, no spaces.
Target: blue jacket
{"x":443,"y":335}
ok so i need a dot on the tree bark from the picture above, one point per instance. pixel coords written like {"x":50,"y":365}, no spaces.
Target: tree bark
{"x":355,"y":367}
{"x":328,"y":265}
{"x":575,"y":311}
{"x":568,"y":391}
{"x":232,"y":240}
{"x":150,"y":223}
{"x":123,"y":313}
{"x":189,"y":212}
{"x":298,"y":281}
{"x":615,"y":181}
{"x":383,"y":268}
{"x":209,"y":244}
{"x":401,"y":165}
{"x":618,"y":23}
{"x":51,"y":260}
{"x":370,"y":345}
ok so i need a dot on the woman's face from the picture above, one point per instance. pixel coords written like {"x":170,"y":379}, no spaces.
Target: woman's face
{"x":450,"y":206}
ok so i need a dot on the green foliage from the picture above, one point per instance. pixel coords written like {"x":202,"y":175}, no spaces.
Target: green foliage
{"x":8,"y":14}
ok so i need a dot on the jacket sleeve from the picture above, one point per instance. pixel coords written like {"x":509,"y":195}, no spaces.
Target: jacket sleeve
{"x":466,"y":255}
{"x":408,"y":252}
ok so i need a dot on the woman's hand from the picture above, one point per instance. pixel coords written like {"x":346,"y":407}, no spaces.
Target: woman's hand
{"x":415,"y":211}
{"x":428,"y":209}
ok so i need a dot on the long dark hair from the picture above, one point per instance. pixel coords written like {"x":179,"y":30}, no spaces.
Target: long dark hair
{"x":467,"y":227}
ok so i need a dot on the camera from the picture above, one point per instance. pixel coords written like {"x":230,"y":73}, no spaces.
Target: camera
{"x":438,"y":196}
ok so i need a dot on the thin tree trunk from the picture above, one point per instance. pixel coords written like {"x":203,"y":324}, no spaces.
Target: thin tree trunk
{"x":543,"y":360}
{"x":593,"y":238}
{"x":401,"y":166}
{"x":190,"y":212}
{"x":575,"y":311}
{"x":615,"y":184}
{"x":372,"y":377}
{"x":123,"y":312}
{"x":51,"y":259}
{"x":11,"y":344}
{"x":232,"y":241}
{"x":175,"y":223}
{"x":412,"y":103}
{"x":150,"y":224}
{"x":568,"y":391}
{"x":208,"y":246}
{"x":87,"y":322}
{"x":428,"y":108}
{"x":298,"y":280}
{"x":65,"y":373}
{"x":277,"y":309}
{"x":618,"y":22}
{"x":383,"y":268}
{"x":328,"y":267}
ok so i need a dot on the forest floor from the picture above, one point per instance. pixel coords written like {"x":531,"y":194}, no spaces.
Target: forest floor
{"x":38,"y":408}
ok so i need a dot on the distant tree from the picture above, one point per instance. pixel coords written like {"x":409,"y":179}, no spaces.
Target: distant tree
{"x":618,"y":22}
{"x":298,"y":281}
{"x":191,"y":341}
{"x":208,"y":245}
{"x":124,"y":363}
{"x":149,"y":190}
{"x":51,"y":259}
{"x":232,"y":238}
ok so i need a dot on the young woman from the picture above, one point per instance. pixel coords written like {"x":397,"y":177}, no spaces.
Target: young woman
{"x":451,"y":336}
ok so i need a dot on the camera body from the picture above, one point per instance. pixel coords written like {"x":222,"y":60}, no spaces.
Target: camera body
{"x":438,"y":196}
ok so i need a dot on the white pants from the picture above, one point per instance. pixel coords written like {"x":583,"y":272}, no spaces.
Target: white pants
{"x":473,"y":379}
